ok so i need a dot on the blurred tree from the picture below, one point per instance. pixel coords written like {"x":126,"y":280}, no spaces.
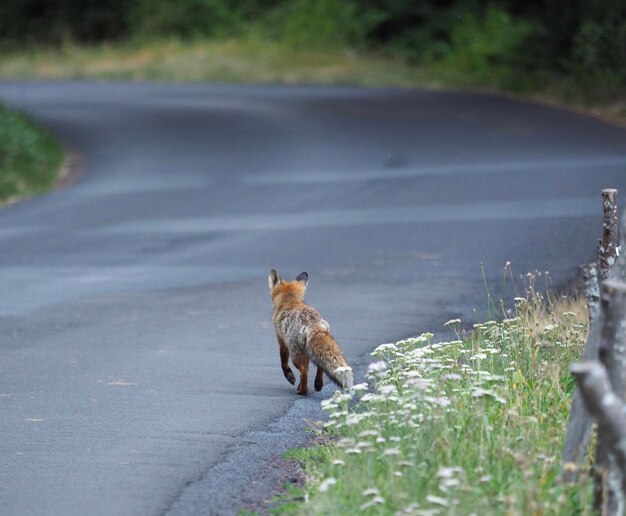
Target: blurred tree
{"x":585,"y":39}
{"x":52,"y":21}
{"x":194,"y":18}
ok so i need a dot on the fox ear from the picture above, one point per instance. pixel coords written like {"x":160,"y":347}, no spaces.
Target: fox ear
{"x":304,"y":278}
{"x":273,"y":279}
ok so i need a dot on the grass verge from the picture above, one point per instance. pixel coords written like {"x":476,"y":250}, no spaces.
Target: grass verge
{"x":30,"y":157}
{"x":471,"y":426}
{"x":257,"y":59}
{"x":248,"y":60}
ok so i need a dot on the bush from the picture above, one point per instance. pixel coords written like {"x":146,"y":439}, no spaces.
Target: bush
{"x":317,"y":23}
{"x":191,"y":18}
{"x":599,"y":54}
{"x":29,"y":156}
{"x":485,"y":45}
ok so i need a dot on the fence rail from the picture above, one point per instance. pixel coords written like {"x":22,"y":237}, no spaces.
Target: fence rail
{"x":601,"y":375}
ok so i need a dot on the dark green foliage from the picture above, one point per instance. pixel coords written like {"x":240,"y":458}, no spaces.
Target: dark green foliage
{"x":52,"y":21}
{"x":29,"y":156}
{"x":193,"y":18}
{"x":512,"y":43}
{"x":319,"y":23}
{"x":582,"y":39}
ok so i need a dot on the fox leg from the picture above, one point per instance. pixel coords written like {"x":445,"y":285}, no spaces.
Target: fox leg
{"x":302,"y":363}
{"x":319,"y":379}
{"x":284,"y":361}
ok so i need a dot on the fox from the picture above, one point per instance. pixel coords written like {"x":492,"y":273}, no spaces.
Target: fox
{"x":303,"y":334}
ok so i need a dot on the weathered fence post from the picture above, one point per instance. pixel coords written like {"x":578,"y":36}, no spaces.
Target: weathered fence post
{"x":608,"y":410}
{"x":612,"y":354}
{"x":612,"y":350}
{"x":607,"y":249}
{"x":592,"y":292}
{"x":579,"y":423}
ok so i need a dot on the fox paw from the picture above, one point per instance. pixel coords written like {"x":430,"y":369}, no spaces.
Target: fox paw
{"x":319,"y":384}
{"x":290,"y":376}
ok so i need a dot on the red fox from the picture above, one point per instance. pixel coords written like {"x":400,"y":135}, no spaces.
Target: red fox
{"x":302,"y":333}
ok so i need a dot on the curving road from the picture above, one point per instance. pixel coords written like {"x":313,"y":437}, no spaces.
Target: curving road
{"x":138,"y":369}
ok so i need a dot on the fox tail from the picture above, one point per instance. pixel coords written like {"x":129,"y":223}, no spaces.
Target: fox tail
{"x":325,"y":352}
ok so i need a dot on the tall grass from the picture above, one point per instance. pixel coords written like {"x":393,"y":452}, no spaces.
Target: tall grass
{"x":30,"y":157}
{"x":248,"y":60}
{"x":470,"y":426}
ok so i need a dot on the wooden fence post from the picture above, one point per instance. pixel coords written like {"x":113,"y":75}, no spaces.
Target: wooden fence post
{"x":579,"y":423}
{"x":608,"y":410}
{"x":607,"y":249}
{"x":592,"y":291}
{"x":612,"y":354}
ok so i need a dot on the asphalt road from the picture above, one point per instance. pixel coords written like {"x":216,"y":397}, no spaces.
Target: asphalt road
{"x":138,"y":368}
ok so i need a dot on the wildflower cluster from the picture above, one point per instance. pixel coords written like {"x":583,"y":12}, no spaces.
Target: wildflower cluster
{"x":470,"y":425}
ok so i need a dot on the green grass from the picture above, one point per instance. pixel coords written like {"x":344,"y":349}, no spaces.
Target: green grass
{"x":471,"y":426}
{"x":249,"y":60}
{"x":30,"y":157}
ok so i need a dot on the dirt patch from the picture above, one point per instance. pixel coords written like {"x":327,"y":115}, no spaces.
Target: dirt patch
{"x":71,"y":170}
{"x":270,"y":489}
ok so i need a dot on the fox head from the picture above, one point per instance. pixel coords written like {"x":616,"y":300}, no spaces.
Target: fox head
{"x":295,"y":288}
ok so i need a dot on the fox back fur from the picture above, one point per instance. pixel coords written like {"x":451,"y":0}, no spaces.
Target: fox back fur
{"x":302,"y":333}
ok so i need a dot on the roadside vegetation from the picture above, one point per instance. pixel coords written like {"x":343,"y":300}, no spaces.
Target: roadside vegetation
{"x":470,"y":426}
{"x":572,"y":53}
{"x":30,"y":157}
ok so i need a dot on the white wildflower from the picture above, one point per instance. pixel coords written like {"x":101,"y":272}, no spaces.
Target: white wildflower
{"x":409,"y":509}
{"x":479,"y":392}
{"x":370,"y":491}
{"x":452,"y":321}
{"x":449,"y":472}
{"x":338,"y":462}
{"x":387,"y":389}
{"x":421,"y":384}
{"x":384,"y":348}
{"x":442,"y":401}
{"x":377,"y":367}
{"x":360,"y":387}
{"x":353,"y":419}
{"x":377,"y":500}
{"x":325,"y":485}
{"x":447,"y":483}
{"x":437,"y":500}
